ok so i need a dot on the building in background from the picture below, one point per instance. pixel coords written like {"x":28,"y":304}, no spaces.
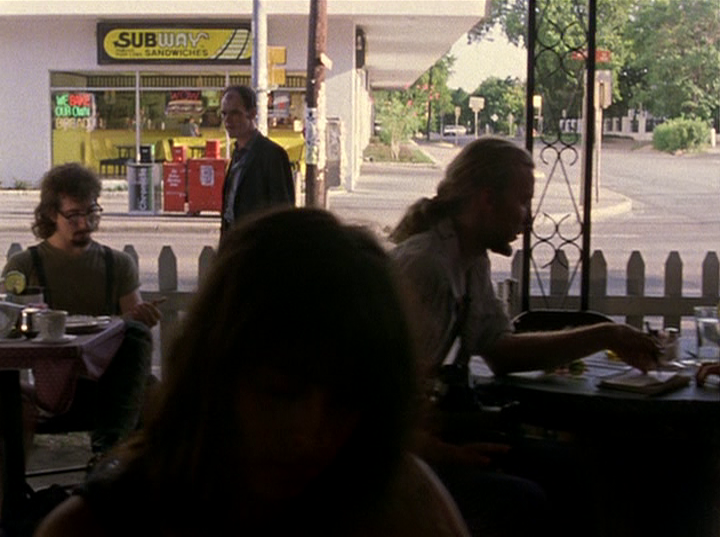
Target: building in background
{"x":78,"y":76}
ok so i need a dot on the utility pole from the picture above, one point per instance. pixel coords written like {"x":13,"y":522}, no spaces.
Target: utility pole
{"x":259,"y":63}
{"x":315,"y":105}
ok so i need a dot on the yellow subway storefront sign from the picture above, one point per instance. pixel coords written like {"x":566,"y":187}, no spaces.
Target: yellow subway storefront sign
{"x":174,"y":43}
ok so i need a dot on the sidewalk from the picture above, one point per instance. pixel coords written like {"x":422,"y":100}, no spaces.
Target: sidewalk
{"x":385,"y":190}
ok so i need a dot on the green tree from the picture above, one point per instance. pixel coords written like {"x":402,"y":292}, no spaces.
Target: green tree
{"x":399,"y":117}
{"x":505,"y":99}
{"x":402,"y":113}
{"x":431,"y":92}
{"x":676,"y":53}
{"x":560,"y":42}
{"x":665,"y":53}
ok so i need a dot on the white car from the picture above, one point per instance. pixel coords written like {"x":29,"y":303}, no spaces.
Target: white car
{"x":457,"y":130}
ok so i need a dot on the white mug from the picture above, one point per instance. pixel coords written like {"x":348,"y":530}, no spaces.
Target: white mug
{"x":51,"y":325}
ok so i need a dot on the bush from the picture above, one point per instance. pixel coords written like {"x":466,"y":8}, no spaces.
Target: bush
{"x":681,"y":134}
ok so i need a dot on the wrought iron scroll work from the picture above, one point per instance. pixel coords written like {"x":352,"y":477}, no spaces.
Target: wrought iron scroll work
{"x":558,"y":40}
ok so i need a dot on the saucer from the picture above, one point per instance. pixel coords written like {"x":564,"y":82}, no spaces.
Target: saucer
{"x":65,"y":339}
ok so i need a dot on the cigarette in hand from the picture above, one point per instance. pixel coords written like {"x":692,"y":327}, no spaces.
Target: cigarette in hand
{"x":158,"y":301}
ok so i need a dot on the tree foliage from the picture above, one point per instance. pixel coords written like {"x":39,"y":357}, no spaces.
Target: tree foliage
{"x":681,"y":134}
{"x":505,"y":99}
{"x":398,"y":117}
{"x":432,"y":92}
{"x":676,"y":52}
{"x":402,"y":113}
{"x":665,"y":53}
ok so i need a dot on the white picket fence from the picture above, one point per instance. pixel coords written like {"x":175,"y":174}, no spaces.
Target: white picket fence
{"x":633,"y":307}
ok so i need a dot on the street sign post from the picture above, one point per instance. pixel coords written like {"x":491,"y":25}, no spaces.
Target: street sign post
{"x":476,"y":105}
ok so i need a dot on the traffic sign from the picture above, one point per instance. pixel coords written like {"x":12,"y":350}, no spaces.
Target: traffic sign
{"x":477,"y":103}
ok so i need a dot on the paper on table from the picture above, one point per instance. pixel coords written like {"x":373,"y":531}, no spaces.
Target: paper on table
{"x":653,"y":382}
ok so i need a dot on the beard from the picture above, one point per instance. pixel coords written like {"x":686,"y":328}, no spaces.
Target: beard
{"x":81,"y":239}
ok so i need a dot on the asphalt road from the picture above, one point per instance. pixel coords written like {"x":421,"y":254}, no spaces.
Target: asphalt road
{"x":674,"y":206}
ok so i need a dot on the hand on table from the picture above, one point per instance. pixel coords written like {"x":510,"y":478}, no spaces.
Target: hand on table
{"x":147,"y":313}
{"x":704,"y":371}
{"x":635,"y":347}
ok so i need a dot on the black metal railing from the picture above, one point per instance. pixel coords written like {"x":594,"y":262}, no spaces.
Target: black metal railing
{"x":561,"y":57}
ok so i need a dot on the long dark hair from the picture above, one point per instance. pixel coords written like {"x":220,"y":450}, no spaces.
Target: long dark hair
{"x":486,"y":162}
{"x":293,"y":289}
{"x":72,"y":180}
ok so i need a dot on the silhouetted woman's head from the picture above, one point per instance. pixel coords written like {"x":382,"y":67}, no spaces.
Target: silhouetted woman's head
{"x":294,"y":375}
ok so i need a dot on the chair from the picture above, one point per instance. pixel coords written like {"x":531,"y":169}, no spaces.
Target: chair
{"x":107,"y":166}
{"x":555,"y":319}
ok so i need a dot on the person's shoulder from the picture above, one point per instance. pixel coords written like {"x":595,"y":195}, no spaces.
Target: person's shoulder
{"x":120,"y":258}
{"x":70,"y":518}
{"x":417,"y":248}
{"x":420,"y":504}
{"x":20,"y":260}
{"x":20,"y":256}
{"x":117,"y":254}
{"x":268,"y":144}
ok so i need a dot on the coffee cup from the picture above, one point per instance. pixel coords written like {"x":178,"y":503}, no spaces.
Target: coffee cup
{"x":51,"y":325}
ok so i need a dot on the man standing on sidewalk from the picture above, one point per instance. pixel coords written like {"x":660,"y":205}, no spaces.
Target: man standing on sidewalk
{"x":84,"y":277}
{"x":259,"y":175}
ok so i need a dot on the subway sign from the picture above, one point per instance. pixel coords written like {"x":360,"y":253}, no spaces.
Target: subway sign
{"x":172,"y":43}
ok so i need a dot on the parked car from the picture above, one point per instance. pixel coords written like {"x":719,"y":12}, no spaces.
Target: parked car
{"x":457,"y":130}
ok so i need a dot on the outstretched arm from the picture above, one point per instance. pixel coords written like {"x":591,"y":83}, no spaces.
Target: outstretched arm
{"x":548,"y":350}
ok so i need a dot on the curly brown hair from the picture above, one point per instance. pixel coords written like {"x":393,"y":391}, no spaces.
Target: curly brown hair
{"x":72,"y":180}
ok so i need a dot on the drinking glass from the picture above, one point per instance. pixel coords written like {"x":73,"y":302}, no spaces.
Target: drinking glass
{"x":708,"y":334}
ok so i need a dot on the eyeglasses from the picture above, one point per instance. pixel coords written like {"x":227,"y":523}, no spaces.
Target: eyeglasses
{"x":91,"y":216}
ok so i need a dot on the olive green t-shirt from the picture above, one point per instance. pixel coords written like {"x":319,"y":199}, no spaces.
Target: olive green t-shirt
{"x":77,"y":282}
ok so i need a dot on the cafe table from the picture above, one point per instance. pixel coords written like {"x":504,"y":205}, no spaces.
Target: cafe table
{"x":653,"y":460}
{"x":55,"y":369}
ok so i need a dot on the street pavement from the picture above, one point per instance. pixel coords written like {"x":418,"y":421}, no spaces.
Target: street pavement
{"x":384,"y":190}
{"x":378,"y":200}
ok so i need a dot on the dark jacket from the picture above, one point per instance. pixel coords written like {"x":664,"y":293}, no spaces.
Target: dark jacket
{"x":266,"y":180}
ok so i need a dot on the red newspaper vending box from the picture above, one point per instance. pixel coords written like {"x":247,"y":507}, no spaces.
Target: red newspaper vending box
{"x":174,"y":186}
{"x":212,"y":149}
{"x":205,"y":184}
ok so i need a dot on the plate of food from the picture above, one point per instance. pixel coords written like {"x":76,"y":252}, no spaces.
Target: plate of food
{"x":84,"y":324}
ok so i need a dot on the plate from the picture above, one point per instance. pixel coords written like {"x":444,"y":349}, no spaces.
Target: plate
{"x":84,"y":324}
{"x":65,"y":339}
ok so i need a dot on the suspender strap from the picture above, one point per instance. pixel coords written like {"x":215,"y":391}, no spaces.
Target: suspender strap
{"x":40,"y":271}
{"x":109,"y":277}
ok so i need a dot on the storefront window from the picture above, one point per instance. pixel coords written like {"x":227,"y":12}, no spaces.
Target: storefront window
{"x":95,"y":119}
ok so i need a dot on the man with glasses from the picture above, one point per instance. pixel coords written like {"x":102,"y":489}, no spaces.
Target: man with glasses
{"x":84,"y":277}
{"x":259,"y":175}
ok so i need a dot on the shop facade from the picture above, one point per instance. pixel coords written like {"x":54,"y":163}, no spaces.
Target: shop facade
{"x":91,"y":84}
